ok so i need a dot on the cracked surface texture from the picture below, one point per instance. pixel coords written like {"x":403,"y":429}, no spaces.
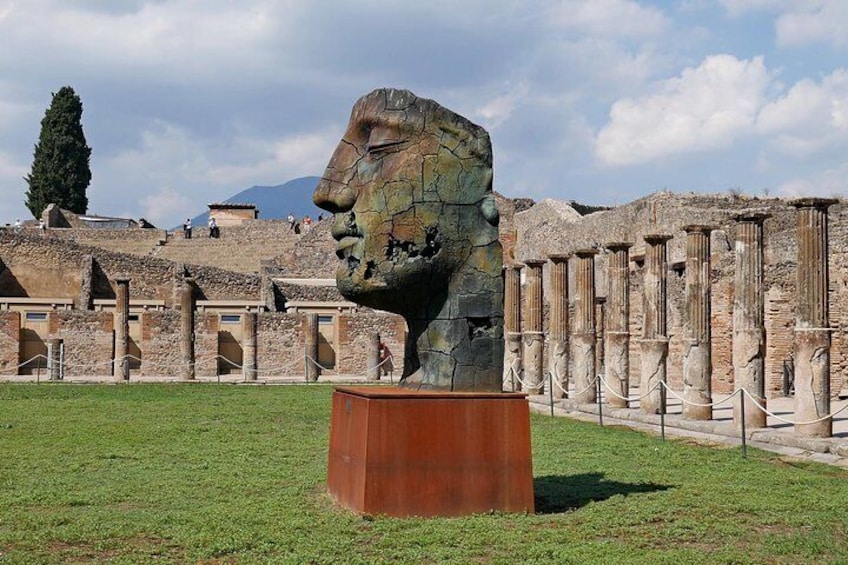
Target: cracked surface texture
{"x":410,"y":188}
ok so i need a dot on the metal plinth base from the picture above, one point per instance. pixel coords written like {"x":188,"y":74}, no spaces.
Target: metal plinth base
{"x":410,"y":453}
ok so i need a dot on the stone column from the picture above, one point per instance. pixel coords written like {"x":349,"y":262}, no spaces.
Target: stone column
{"x":185,"y":293}
{"x":558,"y":333}
{"x":54,"y":349}
{"x":617,"y":338}
{"x":248,"y":364}
{"x":749,"y":343}
{"x":372,"y":360}
{"x":122,"y":329}
{"x":812,"y":334}
{"x":512,"y":326}
{"x":697,"y":354}
{"x":654,"y":342}
{"x":583,"y":338}
{"x":311,"y":340}
{"x":533,"y":336}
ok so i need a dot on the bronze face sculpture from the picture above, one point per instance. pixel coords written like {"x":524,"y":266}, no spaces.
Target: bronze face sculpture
{"x":410,"y":187}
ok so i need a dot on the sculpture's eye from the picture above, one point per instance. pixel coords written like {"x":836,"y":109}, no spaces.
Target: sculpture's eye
{"x":382,"y":146}
{"x":383,"y":139}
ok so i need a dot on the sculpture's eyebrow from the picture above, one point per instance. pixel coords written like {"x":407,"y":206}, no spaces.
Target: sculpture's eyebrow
{"x":394,"y":124}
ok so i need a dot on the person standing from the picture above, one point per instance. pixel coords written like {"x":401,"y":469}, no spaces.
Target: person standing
{"x":386,"y":361}
{"x":187,"y":228}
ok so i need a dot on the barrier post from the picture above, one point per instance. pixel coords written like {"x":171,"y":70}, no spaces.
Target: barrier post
{"x":662,"y":409}
{"x":742,"y":412}
{"x":600,"y":404}
{"x":551,"y":390}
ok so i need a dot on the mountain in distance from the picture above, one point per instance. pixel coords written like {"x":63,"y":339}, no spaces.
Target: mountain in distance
{"x":275,"y":202}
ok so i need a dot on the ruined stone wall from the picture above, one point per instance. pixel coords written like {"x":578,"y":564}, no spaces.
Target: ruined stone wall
{"x":10,"y":342}
{"x":39,"y":266}
{"x":354,"y":339}
{"x":279,"y":344}
{"x":240,"y":248}
{"x":160,"y":343}
{"x":134,"y":241}
{"x":313,"y":255}
{"x":206,"y":325}
{"x":89,"y":340}
{"x":310,"y":293}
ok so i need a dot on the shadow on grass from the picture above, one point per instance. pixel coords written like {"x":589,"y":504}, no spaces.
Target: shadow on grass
{"x":558,"y":493}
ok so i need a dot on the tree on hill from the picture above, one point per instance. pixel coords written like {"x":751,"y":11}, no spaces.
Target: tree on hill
{"x":60,"y":166}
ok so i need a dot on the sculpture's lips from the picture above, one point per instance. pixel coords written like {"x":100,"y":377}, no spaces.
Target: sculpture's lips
{"x":346,"y":243}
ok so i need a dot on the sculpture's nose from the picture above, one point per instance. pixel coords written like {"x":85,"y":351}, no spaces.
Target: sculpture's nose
{"x":334,"y":192}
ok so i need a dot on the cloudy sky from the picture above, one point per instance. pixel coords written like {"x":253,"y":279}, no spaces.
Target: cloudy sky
{"x":601,"y":101}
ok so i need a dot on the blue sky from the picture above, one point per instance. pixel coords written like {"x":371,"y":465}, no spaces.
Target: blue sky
{"x":600,"y":101}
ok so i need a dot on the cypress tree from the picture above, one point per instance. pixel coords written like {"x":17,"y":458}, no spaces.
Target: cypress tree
{"x":60,"y":166}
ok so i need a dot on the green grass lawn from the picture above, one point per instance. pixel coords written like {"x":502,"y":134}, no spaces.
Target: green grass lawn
{"x":236,"y":474}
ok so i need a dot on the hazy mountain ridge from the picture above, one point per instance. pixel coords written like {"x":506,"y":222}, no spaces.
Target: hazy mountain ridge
{"x":294,"y":196}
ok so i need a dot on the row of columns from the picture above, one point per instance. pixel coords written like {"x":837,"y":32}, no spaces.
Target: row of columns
{"x":185,"y":300}
{"x":812,"y":332}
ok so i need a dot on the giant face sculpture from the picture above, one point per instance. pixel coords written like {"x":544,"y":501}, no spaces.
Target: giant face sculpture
{"x":416,"y":229}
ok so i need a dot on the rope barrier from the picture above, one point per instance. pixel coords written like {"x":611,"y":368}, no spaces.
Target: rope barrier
{"x":27,"y":362}
{"x":591,"y":385}
{"x":690,"y":403}
{"x":795,"y":423}
{"x":512,"y":374}
{"x":628,"y":398}
{"x":738,"y":391}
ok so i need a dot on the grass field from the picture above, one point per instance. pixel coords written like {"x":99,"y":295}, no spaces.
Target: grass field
{"x":235,"y":474}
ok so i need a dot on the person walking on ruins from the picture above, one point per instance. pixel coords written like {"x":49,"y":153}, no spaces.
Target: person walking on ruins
{"x":213,"y":228}
{"x":291,"y":221}
{"x":307,"y":223}
{"x":42,"y":227}
{"x":17,"y":225}
{"x":187,"y":228}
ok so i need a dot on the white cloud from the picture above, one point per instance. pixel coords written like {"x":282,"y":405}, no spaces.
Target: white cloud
{"x":9,"y":168}
{"x":800,"y":22}
{"x":166,"y":207}
{"x":810,"y":117}
{"x":173,"y":173}
{"x":610,"y":18}
{"x":167,"y":39}
{"x":736,"y":8}
{"x":829,"y":183}
{"x":268,"y":161}
{"x":497,"y":110}
{"x":704,"y":108}
{"x":824,"y":21}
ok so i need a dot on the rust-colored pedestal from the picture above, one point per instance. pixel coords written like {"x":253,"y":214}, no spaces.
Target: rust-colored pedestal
{"x":409,"y":453}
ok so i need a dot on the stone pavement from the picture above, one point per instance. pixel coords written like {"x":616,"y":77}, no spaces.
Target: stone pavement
{"x":778,"y":437}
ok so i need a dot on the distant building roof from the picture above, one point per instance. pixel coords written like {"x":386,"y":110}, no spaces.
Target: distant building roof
{"x":93,"y":221}
{"x":234,"y":205}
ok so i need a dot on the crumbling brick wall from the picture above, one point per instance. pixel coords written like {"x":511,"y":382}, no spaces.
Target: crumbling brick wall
{"x":10,"y":342}
{"x":280,"y":344}
{"x":354,"y":339}
{"x":160,"y":343}
{"x":89,"y":340}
